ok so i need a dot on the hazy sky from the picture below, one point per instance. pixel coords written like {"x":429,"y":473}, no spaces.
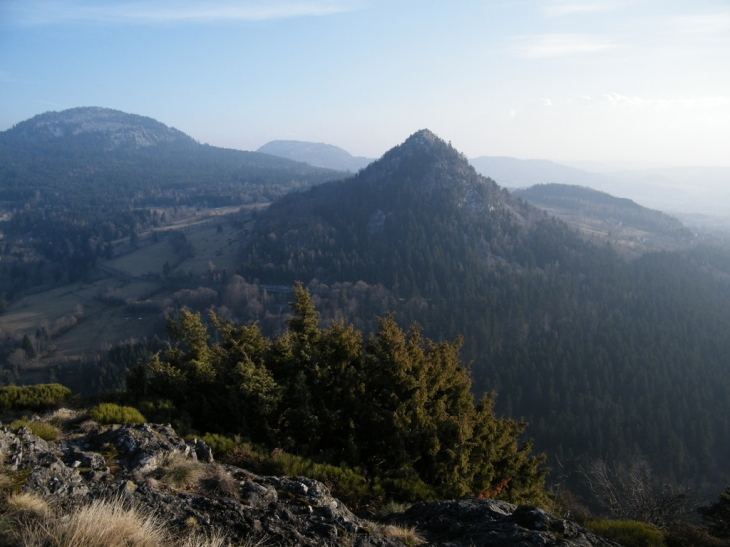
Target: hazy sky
{"x":614,"y":80}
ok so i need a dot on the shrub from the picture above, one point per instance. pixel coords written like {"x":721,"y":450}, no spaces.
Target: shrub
{"x":33,"y":397}
{"x":109,"y":413}
{"x":219,"y":444}
{"x":348,"y":484}
{"x":686,"y":535}
{"x":628,"y":533}
{"x":44,"y":430}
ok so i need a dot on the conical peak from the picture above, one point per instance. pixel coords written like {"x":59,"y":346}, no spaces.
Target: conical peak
{"x":423,"y":139}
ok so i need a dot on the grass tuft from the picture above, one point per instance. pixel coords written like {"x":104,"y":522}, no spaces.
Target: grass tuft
{"x":100,"y":524}
{"x":180,"y":472}
{"x":406,"y":535}
{"x":26,"y":506}
{"x":218,"y":481}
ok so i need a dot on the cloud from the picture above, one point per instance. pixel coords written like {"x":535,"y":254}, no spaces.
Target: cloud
{"x":617,"y":100}
{"x":702,"y":25}
{"x":561,"y":9}
{"x":546,"y":102}
{"x":45,"y":12}
{"x":560,"y":45}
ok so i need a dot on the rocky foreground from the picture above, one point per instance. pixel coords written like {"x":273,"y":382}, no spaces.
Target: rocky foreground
{"x":152,"y":469}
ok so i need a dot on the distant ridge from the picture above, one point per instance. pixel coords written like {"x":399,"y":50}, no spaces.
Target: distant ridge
{"x":618,"y":220}
{"x":316,"y":154}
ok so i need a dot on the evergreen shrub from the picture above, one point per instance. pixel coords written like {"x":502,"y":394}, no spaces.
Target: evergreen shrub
{"x":33,"y":397}
{"x":628,"y":533}
{"x":110,"y":413}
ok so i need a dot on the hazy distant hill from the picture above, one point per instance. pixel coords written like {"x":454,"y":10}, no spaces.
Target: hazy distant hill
{"x":704,"y":190}
{"x":602,"y":216}
{"x":100,"y":154}
{"x":604,"y":356}
{"x":516,"y":173}
{"x":317,"y":154}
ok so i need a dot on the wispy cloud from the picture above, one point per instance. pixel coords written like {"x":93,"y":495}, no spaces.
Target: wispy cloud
{"x":46,"y":12}
{"x":573,"y":7}
{"x":703,"y":24}
{"x":617,"y":100}
{"x":560,"y":45}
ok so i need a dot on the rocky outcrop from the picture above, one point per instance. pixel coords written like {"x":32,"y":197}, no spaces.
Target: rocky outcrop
{"x":136,"y":463}
{"x":492,"y":523}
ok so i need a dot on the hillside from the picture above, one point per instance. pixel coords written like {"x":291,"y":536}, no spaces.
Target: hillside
{"x":317,"y":154}
{"x":73,"y":183}
{"x":604,"y":357}
{"x":605,"y":218}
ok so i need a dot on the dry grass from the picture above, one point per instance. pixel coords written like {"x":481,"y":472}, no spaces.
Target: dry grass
{"x":27,"y":506}
{"x":392,"y":508}
{"x":218,"y":481}
{"x":180,"y":472}
{"x":64,"y":417}
{"x":406,"y":535}
{"x":213,"y":539}
{"x":100,"y":524}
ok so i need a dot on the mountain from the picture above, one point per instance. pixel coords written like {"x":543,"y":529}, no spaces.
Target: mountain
{"x":74,"y":181}
{"x":602,"y":355}
{"x":112,"y":128}
{"x":317,"y":154}
{"x":619,"y":221}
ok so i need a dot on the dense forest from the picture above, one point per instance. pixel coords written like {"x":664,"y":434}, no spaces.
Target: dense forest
{"x":604,"y":357}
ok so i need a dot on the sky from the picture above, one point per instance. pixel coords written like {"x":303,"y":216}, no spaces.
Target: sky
{"x":645,"y":82}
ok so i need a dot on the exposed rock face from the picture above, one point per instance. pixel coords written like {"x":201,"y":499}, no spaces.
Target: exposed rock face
{"x":488,"y":523}
{"x":127,"y":461}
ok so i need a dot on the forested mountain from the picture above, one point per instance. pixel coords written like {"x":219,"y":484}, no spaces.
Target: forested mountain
{"x":74,"y":181}
{"x":603,"y":356}
{"x":316,"y":153}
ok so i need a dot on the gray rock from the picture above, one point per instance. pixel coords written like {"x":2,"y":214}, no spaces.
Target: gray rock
{"x":287,"y":510}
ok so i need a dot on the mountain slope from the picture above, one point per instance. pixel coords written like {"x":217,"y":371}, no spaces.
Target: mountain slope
{"x":618,"y":221}
{"x":317,"y":154}
{"x":603,"y":356}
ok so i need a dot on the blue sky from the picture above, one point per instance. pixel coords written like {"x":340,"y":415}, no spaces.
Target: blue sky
{"x":629,"y":81}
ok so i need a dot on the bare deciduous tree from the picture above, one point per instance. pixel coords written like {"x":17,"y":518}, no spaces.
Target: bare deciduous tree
{"x":628,"y":492}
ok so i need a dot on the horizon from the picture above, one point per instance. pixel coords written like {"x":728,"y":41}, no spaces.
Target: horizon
{"x":569,"y":81}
